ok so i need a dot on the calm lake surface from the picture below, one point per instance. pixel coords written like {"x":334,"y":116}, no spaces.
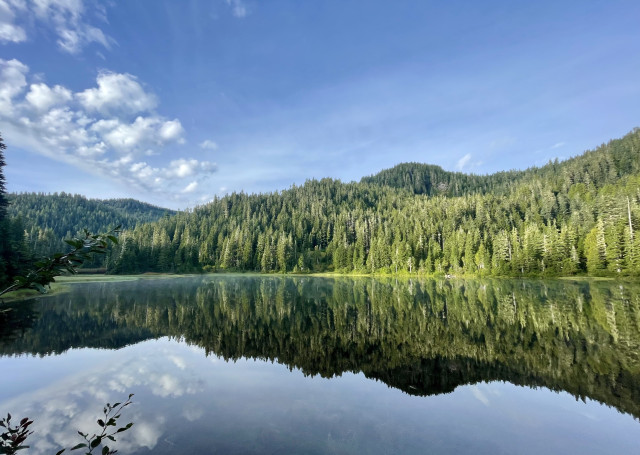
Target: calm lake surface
{"x":253,"y":364}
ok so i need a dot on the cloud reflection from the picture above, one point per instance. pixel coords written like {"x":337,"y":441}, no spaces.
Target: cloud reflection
{"x":75,"y":402}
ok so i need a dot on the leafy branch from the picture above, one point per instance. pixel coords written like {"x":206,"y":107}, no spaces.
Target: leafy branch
{"x":48,"y":268}
{"x":12,"y":439}
{"x":108,"y":424}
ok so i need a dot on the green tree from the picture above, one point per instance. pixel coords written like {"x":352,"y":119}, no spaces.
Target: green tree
{"x":3,"y":190}
{"x":47,"y":269}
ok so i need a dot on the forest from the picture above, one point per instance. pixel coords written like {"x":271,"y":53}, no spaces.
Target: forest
{"x":48,"y":219}
{"x":575,"y":217}
{"x":579,"y":216}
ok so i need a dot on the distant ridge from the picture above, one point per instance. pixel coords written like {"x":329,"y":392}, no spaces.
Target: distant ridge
{"x":616,"y":161}
{"x":48,"y":218}
{"x":432,"y":180}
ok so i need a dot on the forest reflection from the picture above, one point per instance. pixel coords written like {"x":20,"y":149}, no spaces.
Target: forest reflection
{"x":421,"y":336}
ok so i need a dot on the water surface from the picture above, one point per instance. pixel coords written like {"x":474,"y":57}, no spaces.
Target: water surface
{"x":249,"y":364}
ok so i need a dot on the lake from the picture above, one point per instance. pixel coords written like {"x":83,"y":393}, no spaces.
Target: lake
{"x":270,"y":364}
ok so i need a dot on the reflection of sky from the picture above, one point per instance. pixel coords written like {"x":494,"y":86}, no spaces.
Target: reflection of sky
{"x":187,"y":403}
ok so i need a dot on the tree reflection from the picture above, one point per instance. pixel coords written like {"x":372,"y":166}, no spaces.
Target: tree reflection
{"x":423,"y":337}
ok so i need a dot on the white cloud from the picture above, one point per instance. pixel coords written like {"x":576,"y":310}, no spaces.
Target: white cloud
{"x":191,"y":187}
{"x":59,"y":130}
{"x":67,"y":19}
{"x":183,"y":168}
{"x":186,"y":168}
{"x":462,"y":162}
{"x":42,"y":97}
{"x":172,"y":130}
{"x":238,"y":8}
{"x":127,"y":137}
{"x":208,"y":145}
{"x":12,"y":83}
{"x":481,"y":397}
{"x":192,"y":412}
{"x":9,"y":31}
{"x":558,"y":145}
{"x":178,"y":361}
{"x":88,"y":131}
{"x":117,"y":93}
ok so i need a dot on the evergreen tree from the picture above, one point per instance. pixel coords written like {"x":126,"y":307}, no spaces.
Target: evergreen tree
{"x":13,"y":250}
{"x":3,"y":191}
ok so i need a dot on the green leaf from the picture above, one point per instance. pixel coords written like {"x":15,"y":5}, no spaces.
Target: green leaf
{"x":105,"y":450}
{"x":78,"y":446}
{"x":96,"y":442}
{"x":60,"y":451}
{"x":125,"y":428}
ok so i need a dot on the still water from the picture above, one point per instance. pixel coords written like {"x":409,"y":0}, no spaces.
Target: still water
{"x":253,"y":364}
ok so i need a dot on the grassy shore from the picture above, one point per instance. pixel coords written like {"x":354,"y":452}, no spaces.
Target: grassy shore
{"x":62,"y":282}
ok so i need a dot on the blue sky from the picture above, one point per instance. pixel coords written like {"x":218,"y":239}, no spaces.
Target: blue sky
{"x":174,"y":102}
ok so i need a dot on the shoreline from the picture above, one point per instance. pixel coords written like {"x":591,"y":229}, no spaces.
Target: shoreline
{"x":62,"y":283}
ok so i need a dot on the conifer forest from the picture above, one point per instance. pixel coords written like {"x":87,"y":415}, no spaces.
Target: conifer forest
{"x":580,"y":216}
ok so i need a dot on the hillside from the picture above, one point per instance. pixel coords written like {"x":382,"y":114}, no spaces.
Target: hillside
{"x":432,"y":180}
{"x":602,"y":166}
{"x":49,"y":218}
{"x":565,"y":218}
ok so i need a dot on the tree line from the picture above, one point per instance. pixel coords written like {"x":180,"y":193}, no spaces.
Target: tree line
{"x":580,"y":216}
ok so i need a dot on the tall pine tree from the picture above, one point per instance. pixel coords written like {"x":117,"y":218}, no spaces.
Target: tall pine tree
{"x":4,"y":228}
{"x":3,"y":196}
{"x":13,"y":254}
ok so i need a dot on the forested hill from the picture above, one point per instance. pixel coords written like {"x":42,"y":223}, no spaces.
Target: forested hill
{"x":611,"y":161}
{"x":49,"y":218}
{"x":577,"y":216}
{"x":432,"y":180}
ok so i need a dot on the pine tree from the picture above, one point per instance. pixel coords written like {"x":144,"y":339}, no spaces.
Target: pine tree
{"x":593,"y":253}
{"x":5,"y":242}
{"x":3,"y":191}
